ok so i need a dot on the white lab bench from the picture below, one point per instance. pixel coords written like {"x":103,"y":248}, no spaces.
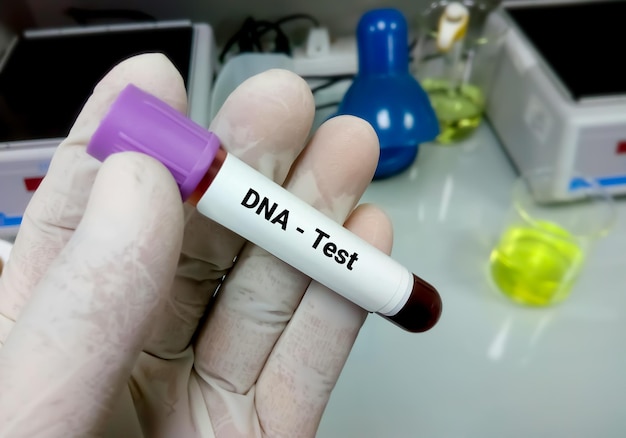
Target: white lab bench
{"x":489,"y":368}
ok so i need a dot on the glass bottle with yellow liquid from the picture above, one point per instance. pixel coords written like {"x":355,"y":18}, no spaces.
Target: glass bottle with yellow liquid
{"x":459,"y":107}
{"x":455,"y":57}
{"x":538,"y":264}
{"x":543,"y":247}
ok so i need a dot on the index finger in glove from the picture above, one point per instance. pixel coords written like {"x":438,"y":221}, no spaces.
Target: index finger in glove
{"x":74,"y":345}
{"x":57,"y":206}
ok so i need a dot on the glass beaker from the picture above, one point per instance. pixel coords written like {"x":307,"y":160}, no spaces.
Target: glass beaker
{"x":456,"y":74}
{"x":544,"y":243}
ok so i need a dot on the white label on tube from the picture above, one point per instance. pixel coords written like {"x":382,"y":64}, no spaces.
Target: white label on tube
{"x":269,"y":216}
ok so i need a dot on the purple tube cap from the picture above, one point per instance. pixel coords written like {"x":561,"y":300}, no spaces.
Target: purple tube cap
{"x":137,"y":121}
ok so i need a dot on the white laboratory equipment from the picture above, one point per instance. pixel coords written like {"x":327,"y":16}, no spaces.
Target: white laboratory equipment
{"x":558,"y":98}
{"x":46,"y":75}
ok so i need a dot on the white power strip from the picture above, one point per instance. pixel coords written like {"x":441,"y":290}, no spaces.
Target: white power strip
{"x":322,"y":57}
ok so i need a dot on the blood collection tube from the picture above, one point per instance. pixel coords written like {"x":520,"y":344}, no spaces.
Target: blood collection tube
{"x":228,"y":191}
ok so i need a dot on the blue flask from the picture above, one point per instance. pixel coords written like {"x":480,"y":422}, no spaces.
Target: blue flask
{"x":386,"y":95}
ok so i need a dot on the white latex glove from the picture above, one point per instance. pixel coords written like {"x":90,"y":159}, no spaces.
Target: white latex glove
{"x":106,"y":313}
{"x":5,"y":251}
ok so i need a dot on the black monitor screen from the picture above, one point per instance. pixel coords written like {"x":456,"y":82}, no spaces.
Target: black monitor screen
{"x":46,"y":80}
{"x":582,"y":42}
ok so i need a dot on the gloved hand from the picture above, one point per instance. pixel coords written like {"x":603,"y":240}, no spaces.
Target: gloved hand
{"x":114,"y":315}
{"x":5,"y":250}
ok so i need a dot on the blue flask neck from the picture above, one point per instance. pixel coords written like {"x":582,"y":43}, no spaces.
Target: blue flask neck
{"x":382,"y":43}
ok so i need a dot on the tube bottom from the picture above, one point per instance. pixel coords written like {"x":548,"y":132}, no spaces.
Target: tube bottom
{"x":421,"y":311}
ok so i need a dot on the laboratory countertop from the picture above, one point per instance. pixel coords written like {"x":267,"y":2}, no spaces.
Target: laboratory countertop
{"x":489,"y":368}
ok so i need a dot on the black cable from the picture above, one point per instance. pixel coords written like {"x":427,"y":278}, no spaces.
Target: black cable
{"x":332,"y":80}
{"x":294,"y":17}
{"x":277,"y":24}
{"x":245,"y":44}
{"x":83,"y":16}
{"x":248,"y":37}
{"x":339,"y":76}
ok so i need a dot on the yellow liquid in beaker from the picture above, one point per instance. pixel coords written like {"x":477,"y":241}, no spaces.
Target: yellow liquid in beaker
{"x":536,"y":266}
{"x":459,"y":108}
